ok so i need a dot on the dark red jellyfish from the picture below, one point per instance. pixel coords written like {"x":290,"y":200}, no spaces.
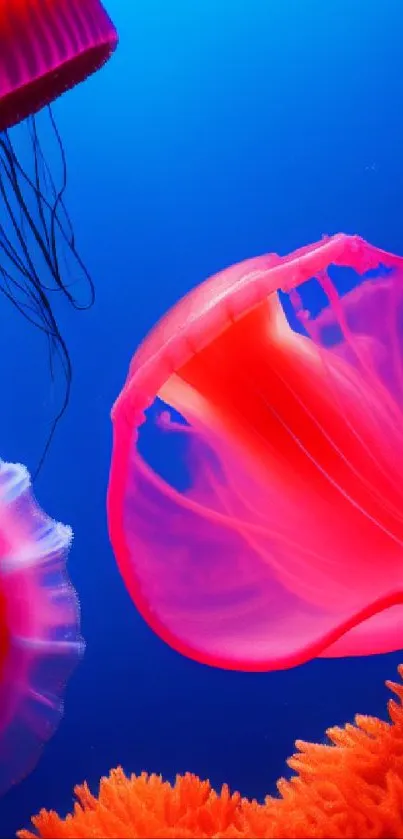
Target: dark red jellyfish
{"x":284,"y":540}
{"x":40,"y":640}
{"x":46,"y":48}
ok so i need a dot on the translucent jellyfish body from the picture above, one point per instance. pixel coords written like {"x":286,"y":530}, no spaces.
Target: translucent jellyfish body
{"x":39,"y":624}
{"x":278,"y":535}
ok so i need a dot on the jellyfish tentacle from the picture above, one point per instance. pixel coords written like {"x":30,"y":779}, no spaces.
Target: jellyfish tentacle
{"x":52,"y":229}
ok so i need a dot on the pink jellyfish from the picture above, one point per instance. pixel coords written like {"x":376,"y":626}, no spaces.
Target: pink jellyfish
{"x":285,"y":539}
{"x":39,"y":624}
{"x":46,"y":48}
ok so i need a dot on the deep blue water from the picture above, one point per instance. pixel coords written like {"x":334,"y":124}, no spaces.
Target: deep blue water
{"x":218,"y":131}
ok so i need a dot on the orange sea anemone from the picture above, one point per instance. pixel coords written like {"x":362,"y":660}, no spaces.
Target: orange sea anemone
{"x":352,"y":788}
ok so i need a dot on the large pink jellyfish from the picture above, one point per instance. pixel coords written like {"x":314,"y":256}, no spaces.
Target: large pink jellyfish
{"x":285,"y":540}
{"x":39,"y":624}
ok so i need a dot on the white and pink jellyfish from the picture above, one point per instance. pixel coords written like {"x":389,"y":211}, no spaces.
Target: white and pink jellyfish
{"x":40,"y":641}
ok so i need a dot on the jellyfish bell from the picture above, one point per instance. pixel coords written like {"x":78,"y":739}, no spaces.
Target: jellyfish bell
{"x":46,"y":48}
{"x":284,"y":540}
{"x":40,"y":641}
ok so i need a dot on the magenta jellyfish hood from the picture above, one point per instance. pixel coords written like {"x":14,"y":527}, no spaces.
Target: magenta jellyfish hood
{"x":47,"y":47}
{"x":285,"y":540}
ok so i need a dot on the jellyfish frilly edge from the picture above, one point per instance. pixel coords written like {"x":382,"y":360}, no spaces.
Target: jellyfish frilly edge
{"x":286,"y":542}
{"x":40,"y":641}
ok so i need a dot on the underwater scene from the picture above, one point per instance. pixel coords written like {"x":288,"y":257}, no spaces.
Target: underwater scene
{"x":201,"y":356}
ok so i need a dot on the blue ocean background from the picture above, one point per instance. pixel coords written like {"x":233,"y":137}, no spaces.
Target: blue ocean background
{"x":218,"y":131}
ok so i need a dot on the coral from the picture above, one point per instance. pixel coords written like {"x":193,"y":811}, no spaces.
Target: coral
{"x":350,"y":789}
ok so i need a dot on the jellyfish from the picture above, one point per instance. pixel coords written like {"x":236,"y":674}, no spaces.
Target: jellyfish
{"x":45,"y":49}
{"x":276,"y":534}
{"x":40,"y":640}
